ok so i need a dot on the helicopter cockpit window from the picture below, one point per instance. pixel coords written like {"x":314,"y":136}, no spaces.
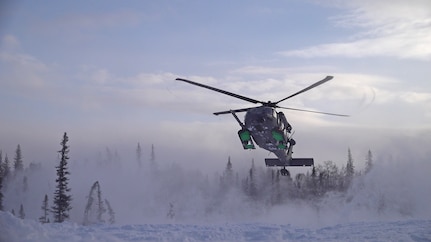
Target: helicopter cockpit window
{"x":268,"y":112}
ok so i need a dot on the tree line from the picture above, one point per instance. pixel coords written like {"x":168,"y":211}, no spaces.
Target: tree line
{"x":62,"y":196}
{"x":269,"y":187}
{"x":263,"y":186}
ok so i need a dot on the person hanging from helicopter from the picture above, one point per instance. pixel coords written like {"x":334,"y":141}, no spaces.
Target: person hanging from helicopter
{"x":283,"y":121}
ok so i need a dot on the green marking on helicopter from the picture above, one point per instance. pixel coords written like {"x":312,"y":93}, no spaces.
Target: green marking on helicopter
{"x":279,"y":137}
{"x":245,"y":137}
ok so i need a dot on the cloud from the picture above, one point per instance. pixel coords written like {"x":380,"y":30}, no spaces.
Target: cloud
{"x":387,"y":28}
{"x":20,"y":70}
{"x":98,"y":20}
{"x":416,"y":97}
{"x":368,"y":13}
{"x":102,"y":91}
{"x":83,"y":28}
{"x":10,"y":42}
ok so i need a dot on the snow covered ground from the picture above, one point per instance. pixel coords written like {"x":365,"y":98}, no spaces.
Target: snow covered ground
{"x":389,"y":203}
{"x":14,"y":229}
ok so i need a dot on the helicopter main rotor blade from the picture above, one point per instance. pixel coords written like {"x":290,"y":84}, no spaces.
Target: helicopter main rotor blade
{"x":310,"y":111}
{"x":234,"y":111}
{"x":328,"y":78}
{"x":220,"y":91}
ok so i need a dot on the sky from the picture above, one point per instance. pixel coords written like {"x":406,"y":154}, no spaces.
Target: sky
{"x":104,"y":72}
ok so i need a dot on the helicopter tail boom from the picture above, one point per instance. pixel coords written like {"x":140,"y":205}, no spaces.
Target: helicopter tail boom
{"x":291,"y":162}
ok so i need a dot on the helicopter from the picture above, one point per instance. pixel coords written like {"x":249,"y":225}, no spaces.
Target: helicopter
{"x":268,"y":128}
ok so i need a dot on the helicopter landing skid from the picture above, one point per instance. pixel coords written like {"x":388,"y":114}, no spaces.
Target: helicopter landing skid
{"x":291,"y":162}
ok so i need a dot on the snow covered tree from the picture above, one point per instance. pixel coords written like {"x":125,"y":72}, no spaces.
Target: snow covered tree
{"x":329,"y":177}
{"x":368,"y":162}
{"x":5,"y":167}
{"x":100,"y":207}
{"x":171,"y":212}
{"x":109,"y":156}
{"x":139,"y":155}
{"x":153,"y":158}
{"x":313,"y":183}
{"x":350,"y":170}
{"x":95,"y":208}
{"x":24,"y":184}
{"x":1,"y":193}
{"x":45,"y":209}
{"x":110,"y":212}
{"x":276,"y":191}
{"x":252,"y":181}
{"x":1,"y":182}
{"x":18,"y":163}
{"x":21,"y":212}
{"x":62,"y":199}
{"x":4,"y":175}
{"x":228,"y":177}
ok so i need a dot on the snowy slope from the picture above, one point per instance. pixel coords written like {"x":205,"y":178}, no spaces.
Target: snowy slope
{"x":13,"y":229}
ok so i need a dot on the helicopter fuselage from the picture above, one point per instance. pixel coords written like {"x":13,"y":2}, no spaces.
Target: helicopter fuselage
{"x":270,"y":130}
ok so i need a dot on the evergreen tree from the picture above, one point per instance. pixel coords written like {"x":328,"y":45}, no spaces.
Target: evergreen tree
{"x":21,"y":212}
{"x":1,"y":193}
{"x":110,"y":212}
{"x":252,"y":181}
{"x":24,"y":184}
{"x":369,"y":162}
{"x":109,"y":156}
{"x":329,"y":177}
{"x":313,"y":183}
{"x":62,"y":199}
{"x":350,"y":169}
{"x":228,"y":178}
{"x":228,"y":171}
{"x":276,"y":191}
{"x":18,"y":164}
{"x":171,"y":212}
{"x":100,"y":207}
{"x":1,"y":181}
{"x":153,"y":157}
{"x":92,"y":208}
{"x":245,"y":186}
{"x":45,"y":209}
{"x":139,"y":155}
{"x":6,"y":167}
